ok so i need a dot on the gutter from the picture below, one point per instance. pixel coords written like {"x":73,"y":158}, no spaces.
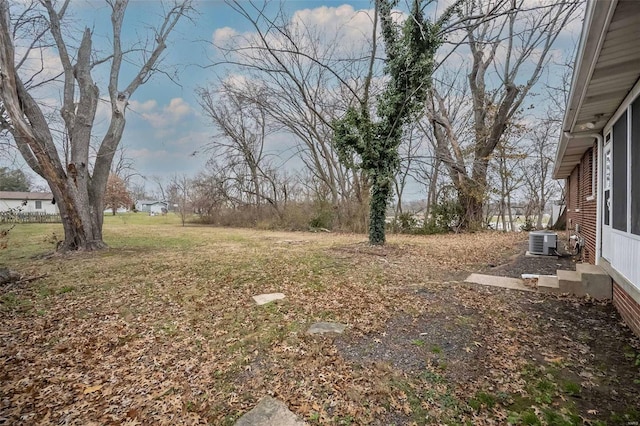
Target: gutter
{"x":599,"y":183}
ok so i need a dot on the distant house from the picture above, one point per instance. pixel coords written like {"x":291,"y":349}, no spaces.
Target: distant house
{"x":599,"y":150}
{"x":28,"y":202}
{"x":152,"y":206}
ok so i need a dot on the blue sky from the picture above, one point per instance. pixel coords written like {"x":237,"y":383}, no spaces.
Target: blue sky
{"x":164,"y":122}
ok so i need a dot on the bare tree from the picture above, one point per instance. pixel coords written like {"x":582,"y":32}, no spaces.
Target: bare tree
{"x":123,"y":166}
{"x":510,"y":168}
{"x":179,"y":190}
{"x":307,"y":79}
{"x":539,"y":183}
{"x":78,"y":188}
{"x":240,"y":115}
{"x":508,"y":55}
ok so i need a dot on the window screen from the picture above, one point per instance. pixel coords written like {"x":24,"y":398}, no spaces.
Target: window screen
{"x":619,"y":202}
{"x":635,"y":167}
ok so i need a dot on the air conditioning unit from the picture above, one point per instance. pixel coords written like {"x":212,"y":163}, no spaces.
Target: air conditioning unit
{"x":543,"y":242}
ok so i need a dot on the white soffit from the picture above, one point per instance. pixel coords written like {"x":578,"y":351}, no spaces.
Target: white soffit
{"x":607,"y":68}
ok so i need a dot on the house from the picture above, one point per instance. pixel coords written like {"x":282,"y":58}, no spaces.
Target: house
{"x":599,"y":150}
{"x":36,"y":202}
{"x":152,"y":206}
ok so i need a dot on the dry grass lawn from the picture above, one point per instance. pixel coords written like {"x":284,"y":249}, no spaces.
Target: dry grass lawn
{"x":161,"y":329}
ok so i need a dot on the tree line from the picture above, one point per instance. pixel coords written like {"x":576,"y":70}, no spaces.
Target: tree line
{"x":459,"y":101}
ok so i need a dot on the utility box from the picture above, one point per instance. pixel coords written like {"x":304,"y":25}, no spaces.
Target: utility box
{"x":543,"y":242}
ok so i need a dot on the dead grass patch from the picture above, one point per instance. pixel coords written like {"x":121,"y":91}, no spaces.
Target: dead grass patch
{"x":161,"y":329}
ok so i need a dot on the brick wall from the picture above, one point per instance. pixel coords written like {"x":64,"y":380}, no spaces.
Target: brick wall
{"x":629,"y":309}
{"x":582,"y":204}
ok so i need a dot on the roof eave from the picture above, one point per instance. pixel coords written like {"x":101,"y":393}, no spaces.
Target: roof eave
{"x":596,"y":23}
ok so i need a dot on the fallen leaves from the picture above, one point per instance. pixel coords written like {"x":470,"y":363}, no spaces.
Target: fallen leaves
{"x":92,"y":389}
{"x":163,"y":330}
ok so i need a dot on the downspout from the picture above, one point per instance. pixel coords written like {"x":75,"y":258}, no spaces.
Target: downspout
{"x":599,"y":183}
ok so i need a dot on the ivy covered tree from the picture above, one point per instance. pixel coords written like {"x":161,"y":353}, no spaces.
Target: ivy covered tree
{"x":410,"y":50}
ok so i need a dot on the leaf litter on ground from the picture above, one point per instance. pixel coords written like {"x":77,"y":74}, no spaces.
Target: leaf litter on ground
{"x":168,"y":333}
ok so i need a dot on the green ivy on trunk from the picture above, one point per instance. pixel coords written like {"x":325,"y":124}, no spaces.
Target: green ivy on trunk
{"x":410,"y":47}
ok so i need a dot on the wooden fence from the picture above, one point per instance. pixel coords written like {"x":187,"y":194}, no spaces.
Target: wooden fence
{"x":29,"y":217}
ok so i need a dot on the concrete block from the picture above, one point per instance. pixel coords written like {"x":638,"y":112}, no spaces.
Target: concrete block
{"x":548,"y":284}
{"x":570,"y":282}
{"x":270,"y":412}
{"x":262,"y":299}
{"x":494,"y":281}
{"x":326,"y":327}
{"x":598,"y":286}
{"x":587,"y":268}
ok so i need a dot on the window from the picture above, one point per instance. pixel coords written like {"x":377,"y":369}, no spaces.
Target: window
{"x":635,"y":167}
{"x":619,"y":195}
{"x":38,"y":205}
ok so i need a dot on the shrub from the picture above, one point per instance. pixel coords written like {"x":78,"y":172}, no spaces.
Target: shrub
{"x":445,"y":217}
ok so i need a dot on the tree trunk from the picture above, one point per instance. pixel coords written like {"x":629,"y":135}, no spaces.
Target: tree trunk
{"x":433,"y":190}
{"x":78,"y":193}
{"x":82,"y":222}
{"x":511,"y":227}
{"x":380,"y":193}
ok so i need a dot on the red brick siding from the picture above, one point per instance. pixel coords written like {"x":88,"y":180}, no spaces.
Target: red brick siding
{"x":629,"y":309}
{"x":580,"y":210}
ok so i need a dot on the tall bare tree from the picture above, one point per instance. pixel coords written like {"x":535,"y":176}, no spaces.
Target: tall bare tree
{"x":508,"y":54}
{"x":308,"y":78}
{"x":240,"y":115}
{"x":539,"y":184}
{"x":78,"y":188}
{"x":179,"y":191}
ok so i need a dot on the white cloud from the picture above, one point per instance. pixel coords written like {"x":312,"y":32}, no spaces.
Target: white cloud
{"x":170,"y":115}
{"x":222,"y":35}
{"x":141,"y":107}
{"x":44,"y":62}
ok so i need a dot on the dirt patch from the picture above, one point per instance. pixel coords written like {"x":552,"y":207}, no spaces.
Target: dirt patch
{"x":516,"y":350}
{"x":520,"y":264}
{"x":439,"y":340}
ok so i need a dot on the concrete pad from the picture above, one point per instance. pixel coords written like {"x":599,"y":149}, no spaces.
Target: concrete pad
{"x":568,"y":275}
{"x":269,"y":412}
{"x":595,"y":282}
{"x":598,"y":286}
{"x":326,"y":327}
{"x":503,"y":282}
{"x":570,"y":282}
{"x":587,"y":268}
{"x":529,"y":254}
{"x":548,"y":284}
{"x":263,"y":299}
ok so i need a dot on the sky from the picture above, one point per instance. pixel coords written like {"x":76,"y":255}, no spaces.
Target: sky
{"x":165,"y":125}
{"x":166,"y":132}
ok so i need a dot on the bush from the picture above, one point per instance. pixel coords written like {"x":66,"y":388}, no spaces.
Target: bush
{"x":445,"y":217}
{"x":404,"y":223}
{"x":322,"y":216}
{"x":528,"y":225}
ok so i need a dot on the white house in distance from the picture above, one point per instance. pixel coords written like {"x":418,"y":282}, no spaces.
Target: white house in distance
{"x":36,"y":202}
{"x":152,"y":206}
{"x":599,"y":150}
